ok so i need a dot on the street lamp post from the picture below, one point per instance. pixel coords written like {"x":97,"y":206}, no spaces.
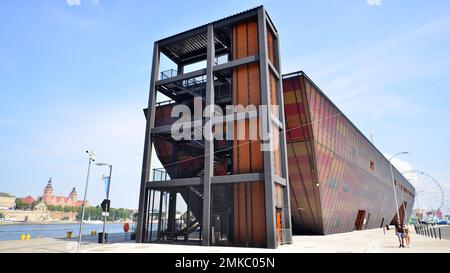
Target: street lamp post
{"x":91,"y":158}
{"x":107,"y":197}
{"x":393,"y":186}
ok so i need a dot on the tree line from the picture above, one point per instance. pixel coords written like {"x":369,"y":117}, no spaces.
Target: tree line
{"x":94,"y":213}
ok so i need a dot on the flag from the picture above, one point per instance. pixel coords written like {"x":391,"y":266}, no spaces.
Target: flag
{"x":106,"y":180}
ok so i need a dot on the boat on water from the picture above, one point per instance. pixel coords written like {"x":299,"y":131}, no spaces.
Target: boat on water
{"x":93,"y":222}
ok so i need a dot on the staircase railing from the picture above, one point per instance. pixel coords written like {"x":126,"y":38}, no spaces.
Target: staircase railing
{"x":160,"y":174}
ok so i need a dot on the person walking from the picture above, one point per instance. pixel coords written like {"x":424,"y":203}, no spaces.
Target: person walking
{"x":400,"y":232}
{"x":406,"y":234}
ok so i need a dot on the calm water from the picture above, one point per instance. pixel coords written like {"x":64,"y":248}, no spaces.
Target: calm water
{"x":13,"y":232}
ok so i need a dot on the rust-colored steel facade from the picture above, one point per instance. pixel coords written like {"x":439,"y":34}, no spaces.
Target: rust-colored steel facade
{"x":234,"y":192}
{"x":339,"y":180}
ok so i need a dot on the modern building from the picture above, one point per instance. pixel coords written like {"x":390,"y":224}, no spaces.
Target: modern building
{"x":7,"y":200}
{"x":240,"y":190}
{"x":339,"y":180}
{"x":231,"y":191}
{"x":63,"y":201}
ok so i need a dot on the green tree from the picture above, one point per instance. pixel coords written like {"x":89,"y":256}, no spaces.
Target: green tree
{"x":20,"y":205}
{"x":33,"y":205}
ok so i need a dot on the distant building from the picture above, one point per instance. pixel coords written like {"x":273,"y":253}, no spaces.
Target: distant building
{"x":29,"y":200}
{"x":7,"y":201}
{"x":63,"y":201}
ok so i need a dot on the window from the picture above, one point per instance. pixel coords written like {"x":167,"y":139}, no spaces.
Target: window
{"x":372,"y":165}
{"x":346,"y":188}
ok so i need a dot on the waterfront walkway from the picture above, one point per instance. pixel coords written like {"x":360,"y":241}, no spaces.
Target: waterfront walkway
{"x":353,"y":242}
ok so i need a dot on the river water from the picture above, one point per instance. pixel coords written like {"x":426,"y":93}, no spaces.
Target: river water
{"x":13,"y":232}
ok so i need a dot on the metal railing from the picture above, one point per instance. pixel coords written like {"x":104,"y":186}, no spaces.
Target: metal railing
{"x":168,"y":74}
{"x":194,"y":81}
{"x":160,"y":174}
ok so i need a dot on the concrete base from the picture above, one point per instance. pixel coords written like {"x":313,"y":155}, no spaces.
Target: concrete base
{"x":374,"y":241}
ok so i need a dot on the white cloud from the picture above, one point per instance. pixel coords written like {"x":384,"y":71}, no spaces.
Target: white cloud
{"x":73,"y":2}
{"x":374,"y":2}
{"x":401,"y":165}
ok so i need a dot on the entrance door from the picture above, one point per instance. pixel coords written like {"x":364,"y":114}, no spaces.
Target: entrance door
{"x":360,"y":219}
{"x":279,"y":225}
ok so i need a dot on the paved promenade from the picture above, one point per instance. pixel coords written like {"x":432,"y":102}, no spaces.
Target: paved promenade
{"x":372,"y":241}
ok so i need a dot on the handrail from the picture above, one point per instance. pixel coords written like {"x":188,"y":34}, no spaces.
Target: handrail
{"x":163,"y":175}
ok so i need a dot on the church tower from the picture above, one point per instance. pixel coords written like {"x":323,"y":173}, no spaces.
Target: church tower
{"x":73,"y":195}
{"x":48,"y":192}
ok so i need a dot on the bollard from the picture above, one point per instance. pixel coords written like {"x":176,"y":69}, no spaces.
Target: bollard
{"x":22,"y":237}
{"x":28,"y":237}
{"x":440,"y":238}
{"x":434,"y":231}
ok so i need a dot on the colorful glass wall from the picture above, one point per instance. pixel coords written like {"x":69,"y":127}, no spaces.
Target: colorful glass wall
{"x":335,"y":171}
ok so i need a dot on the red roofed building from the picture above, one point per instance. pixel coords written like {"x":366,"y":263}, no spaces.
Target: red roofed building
{"x":28,"y":200}
{"x":63,"y":201}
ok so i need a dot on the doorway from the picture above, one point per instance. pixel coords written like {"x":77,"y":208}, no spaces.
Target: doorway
{"x":360,"y":219}
{"x":279,"y":226}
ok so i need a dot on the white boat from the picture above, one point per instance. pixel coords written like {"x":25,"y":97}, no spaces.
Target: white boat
{"x":93,"y":222}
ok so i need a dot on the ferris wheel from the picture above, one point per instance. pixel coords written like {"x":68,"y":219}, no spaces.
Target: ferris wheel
{"x":429,"y":196}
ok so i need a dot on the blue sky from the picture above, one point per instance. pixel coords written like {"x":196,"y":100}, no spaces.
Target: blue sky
{"x":75,"y":77}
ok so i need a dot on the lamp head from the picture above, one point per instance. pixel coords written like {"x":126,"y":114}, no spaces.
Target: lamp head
{"x":91,"y":155}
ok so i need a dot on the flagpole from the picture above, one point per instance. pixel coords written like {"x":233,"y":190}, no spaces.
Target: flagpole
{"x":107,"y":198}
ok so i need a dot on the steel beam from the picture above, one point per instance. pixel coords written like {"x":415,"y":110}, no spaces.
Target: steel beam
{"x":271,"y":25}
{"x":181,"y":182}
{"x":146,"y":163}
{"x":287,"y":225}
{"x":238,"y":178}
{"x":271,"y":239}
{"x":196,"y":181}
{"x":279,"y":180}
{"x":216,"y":120}
{"x":209,"y":143}
{"x":274,"y":70}
{"x":236,"y":63}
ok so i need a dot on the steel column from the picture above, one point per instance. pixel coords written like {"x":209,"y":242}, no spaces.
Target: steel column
{"x":146,"y":164}
{"x":209,"y":143}
{"x":283,"y":147}
{"x":268,"y":157}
